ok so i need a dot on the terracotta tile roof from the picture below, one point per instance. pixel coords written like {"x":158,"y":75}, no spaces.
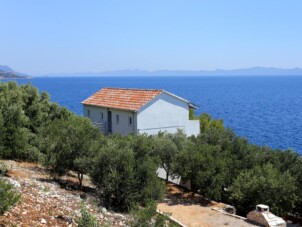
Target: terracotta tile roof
{"x":122,"y":98}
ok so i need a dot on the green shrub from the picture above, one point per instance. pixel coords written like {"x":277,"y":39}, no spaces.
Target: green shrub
{"x":87,"y":219}
{"x":143,"y":216}
{"x":3,"y":168}
{"x":8,"y":196}
{"x":148,"y":216}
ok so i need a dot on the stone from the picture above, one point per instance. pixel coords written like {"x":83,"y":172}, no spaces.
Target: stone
{"x":65,"y":218}
{"x":230,"y":209}
{"x":43,"y":221}
{"x":103,"y":210}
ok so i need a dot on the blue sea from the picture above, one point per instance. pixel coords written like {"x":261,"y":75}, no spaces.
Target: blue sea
{"x":265,"y":110}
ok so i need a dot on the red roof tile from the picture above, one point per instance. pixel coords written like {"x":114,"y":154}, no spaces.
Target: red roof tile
{"x":122,"y":98}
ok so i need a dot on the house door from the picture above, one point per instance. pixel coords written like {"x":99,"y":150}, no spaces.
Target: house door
{"x":109,"y":122}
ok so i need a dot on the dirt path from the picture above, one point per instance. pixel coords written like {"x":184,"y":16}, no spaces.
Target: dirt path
{"x":196,"y":211}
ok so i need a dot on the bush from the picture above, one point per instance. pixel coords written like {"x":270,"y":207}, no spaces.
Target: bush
{"x":142,"y":216}
{"x":87,"y":219}
{"x":148,"y":216}
{"x":8,"y":196}
{"x":3,"y":169}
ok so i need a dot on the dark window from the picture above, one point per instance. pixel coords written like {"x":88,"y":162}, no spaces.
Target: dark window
{"x":102,"y":116}
{"x":88,"y":113}
{"x":117,"y":119}
{"x":130,"y":120}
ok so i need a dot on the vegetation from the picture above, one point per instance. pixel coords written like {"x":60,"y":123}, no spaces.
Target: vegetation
{"x":8,"y":196}
{"x":86,"y":219}
{"x":123,"y":177}
{"x":147,"y":216}
{"x":3,"y":169}
{"x":219,"y":164}
{"x":23,"y":113}
{"x":166,"y":150}
{"x":264,"y":183}
{"x":67,"y":145}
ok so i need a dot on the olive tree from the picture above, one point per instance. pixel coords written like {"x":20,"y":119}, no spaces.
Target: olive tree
{"x":166,"y":150}
{"x":124,"y":179}
{"x":264,"y":184}
{"x":70,"y":145}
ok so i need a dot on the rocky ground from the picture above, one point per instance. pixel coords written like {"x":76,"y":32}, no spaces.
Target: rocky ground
{"x":46,"y":202}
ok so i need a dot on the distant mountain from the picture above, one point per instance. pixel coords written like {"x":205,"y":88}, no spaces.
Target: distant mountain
{"x":8,"y":73}
{"x":254,"y":71}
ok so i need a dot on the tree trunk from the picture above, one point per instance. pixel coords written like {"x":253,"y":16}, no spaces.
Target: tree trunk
{"x":194,"y":189}
{"x":167,"y":176}
{"x":80,"y":177}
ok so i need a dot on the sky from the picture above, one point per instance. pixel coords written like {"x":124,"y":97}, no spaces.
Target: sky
{"x":70,"y":36}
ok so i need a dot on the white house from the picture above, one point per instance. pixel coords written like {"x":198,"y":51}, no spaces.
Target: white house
{"x":138,"y":111}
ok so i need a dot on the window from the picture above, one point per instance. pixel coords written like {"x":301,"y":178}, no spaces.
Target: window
{"x":117,"y":119}
{"x":88,"y":113}
{"x":130,"y":121}
{"x":102,"y":116}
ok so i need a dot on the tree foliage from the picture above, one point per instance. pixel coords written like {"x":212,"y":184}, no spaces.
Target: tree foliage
{"x":264,"y":184}
{"x":69,"y":145}
{"x":23,"y":113}
{"x":122,"y":178}
{"x":203,"y":167}
{"x":166,"y":150}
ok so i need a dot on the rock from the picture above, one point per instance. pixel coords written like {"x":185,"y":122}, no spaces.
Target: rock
{"x":120,"y":216}
{"x":65,"y":218}
{"x":230,"y":209}
{"x":83,"y":196}
{"x":104,"y":210}
{"x":43,"y":221}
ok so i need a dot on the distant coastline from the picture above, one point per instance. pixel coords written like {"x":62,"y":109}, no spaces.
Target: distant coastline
{"x":8,"y":73}
{"x":3,"y":77}
{"x":254,"y":71}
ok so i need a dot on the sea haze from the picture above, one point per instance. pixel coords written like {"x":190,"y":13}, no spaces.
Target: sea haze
{"x":266,"y":110}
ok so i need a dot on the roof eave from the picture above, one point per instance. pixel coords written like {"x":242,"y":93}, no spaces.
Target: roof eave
{"x":110,"y":107}
{"x":193,"y":106}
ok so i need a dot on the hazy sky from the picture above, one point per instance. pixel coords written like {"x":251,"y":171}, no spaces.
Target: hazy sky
{"x":40,"y":37}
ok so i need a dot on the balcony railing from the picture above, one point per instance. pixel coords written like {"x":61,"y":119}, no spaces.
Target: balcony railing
{"x":103,"y":126}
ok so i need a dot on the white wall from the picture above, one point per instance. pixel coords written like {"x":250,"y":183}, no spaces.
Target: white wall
{"x":192,"y":127}
{"x":123,"y":127}
{"x":95,"y":113}
{"x":164,"y":113}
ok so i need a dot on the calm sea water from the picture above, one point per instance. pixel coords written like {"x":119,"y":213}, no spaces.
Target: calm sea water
{"x":266,"y":110}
